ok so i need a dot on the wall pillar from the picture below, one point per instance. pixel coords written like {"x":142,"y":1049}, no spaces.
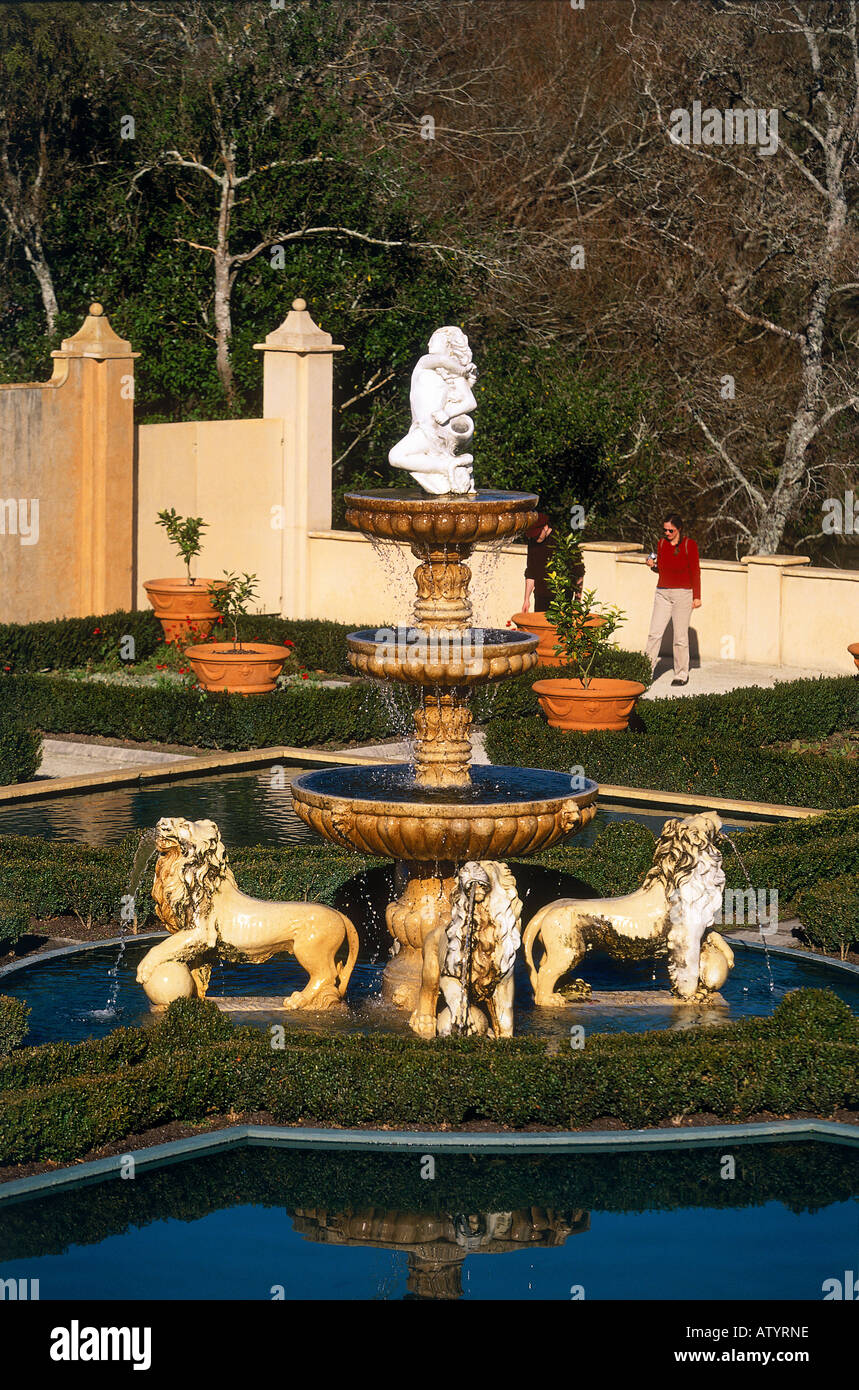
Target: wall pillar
{"x":98,"y":366}
{"x":764,"y":605}
{"x":298,"y":374}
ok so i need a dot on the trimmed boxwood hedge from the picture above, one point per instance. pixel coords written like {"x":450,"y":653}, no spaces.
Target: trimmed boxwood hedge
{"x":299,"y":716}
{"x":52,"y":878}
{"x":58,"y":878}
{"x":71,"y":642}
{"x":829,"y":912}
{"x":60,"y":1101}
{"x":683,"y":761}
{"x":13,"y":1023}
{"x":20,"y":750}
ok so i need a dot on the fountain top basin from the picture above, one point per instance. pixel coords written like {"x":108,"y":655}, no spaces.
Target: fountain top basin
{"x":381,"y":810}
{"x":421,"y":519}
{"x":441,"y":656}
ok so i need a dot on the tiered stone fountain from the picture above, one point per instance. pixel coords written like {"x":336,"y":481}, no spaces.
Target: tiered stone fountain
{"x":434,"y":815}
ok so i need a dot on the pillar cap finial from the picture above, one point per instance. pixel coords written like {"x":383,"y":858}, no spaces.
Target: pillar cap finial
{"x":298,"y":333}
{"x":95,"y":338}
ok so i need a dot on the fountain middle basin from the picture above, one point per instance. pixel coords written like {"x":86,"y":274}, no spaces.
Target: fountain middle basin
{"x":504,"y":810}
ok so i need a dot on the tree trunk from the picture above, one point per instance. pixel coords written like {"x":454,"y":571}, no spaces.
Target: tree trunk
{"x":224,"y":324}
{"x":39,"y":265}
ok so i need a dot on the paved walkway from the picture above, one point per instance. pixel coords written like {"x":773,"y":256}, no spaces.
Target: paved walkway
{"x":65,"y":758}
{"x":717,"y":677}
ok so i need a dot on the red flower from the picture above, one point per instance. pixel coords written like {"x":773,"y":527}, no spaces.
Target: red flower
{"x":7,"y":668}
{"x":220,"y":620}
{"x":304,"y":675}
{"x":96,"y":632}
{"x":287,"y":643}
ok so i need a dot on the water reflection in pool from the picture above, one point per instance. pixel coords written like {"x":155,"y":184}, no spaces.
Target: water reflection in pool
{"x":257,"y":1223}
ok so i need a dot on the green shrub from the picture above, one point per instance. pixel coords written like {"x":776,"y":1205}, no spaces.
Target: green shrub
{"x":681,"y":762}
{"x":829,"y":912}
{"x":73,"y":642}
{"x":808,"y":709}
{"x":14,"y":919}
{"x":817,"y":1012}
{"x":13,"y":1023}
{"x":303,"y":716}
{"x":59,"y":1102}
{"x":20,"y":751}
{"x":191,"y":1023}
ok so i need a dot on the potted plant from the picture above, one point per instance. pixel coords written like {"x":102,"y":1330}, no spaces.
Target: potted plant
{"x":183,"y":606}
{"x":582,"y":700}
{"x":853,"y":649}
{"x":244,"y":670}
{"x":539,"y":624}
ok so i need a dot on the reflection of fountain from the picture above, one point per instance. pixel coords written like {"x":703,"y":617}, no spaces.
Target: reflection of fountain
{"x":438,"y":1244}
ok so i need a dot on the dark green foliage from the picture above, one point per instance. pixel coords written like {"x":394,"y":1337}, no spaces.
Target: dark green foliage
{"x":68,"y":642}
{"x":190,"y":1023}
{"x":804,"y":1058}
{"x":808,"y":709}
{"x":20,"y":750}
{"x":57,"y":878}
{"x":13,"y":1023}
{"x":704,"y":764}
{"x":14,"y":920}
{"x":73,"y":642}
{"x":299,"y":716}
{"x":829,"y":911}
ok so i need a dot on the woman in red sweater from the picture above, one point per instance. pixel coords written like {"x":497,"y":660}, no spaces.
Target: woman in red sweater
{"x":677,"y":593}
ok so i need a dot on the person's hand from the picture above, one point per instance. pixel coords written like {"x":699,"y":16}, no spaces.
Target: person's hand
{"x":696,"y":603}
{"x":651,"y":564}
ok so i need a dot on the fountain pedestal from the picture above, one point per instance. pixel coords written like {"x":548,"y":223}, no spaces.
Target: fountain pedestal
{"x":442,"y":812}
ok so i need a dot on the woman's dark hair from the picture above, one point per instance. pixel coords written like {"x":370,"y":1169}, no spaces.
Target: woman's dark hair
{"x":675,"y":521}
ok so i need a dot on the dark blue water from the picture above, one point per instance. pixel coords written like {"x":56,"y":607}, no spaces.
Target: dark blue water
{"x":261,"y":1223}
{"x":250,"y":808}
{"x":69,"y":995}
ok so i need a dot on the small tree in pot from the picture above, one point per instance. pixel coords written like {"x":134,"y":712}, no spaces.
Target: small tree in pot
{"x":251,"y":670}
{"x":183,"y":606}
{"x":582,"y":700}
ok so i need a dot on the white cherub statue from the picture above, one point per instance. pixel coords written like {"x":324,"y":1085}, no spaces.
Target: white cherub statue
{"x":440,"y":398}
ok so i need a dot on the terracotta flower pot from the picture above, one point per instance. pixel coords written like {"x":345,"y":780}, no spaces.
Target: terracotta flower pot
{"x":249,"y":670}
{"x":547,"y":634}
{"x":604,"y":704}
{"x":853,"y":649}
{"x":184,"y":610}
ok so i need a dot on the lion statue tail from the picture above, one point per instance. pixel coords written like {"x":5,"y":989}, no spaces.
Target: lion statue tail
{"x":345,"y":971}
{"x":529,"y":936}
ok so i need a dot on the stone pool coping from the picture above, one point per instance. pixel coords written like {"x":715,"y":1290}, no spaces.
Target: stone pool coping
{"x":432,"y":1141}
{"x":207,"y":764}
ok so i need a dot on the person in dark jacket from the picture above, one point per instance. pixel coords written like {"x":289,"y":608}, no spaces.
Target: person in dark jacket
{"x":678,"y":591}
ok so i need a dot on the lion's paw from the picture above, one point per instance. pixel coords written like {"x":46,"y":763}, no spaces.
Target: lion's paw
{"x":423,"y":1024}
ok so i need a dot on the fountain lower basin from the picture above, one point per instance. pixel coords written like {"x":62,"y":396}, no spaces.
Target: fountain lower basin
{"x":504,"y":810}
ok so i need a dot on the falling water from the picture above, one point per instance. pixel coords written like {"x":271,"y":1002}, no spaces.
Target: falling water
{"x":760,"y":928}
{"x":128,"y":917}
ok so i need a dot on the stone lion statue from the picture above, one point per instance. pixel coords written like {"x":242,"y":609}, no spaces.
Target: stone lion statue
{"x":672,"y":914}
{"x":210,"y":918}
{"x":470,"y":959}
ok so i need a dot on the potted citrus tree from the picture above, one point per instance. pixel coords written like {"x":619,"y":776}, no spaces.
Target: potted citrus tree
{"x":538,"y":622}
{"x":243,"y":669}
{"x":183,"y":606}
{"x":581,"y":700}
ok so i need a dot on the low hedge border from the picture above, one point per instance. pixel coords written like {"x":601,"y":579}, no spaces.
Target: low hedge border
{"x":299,"y":715}
{"x":804,"y":1058}
{"x":72,"y":642}
{"x":20,"y":750}
{"x":56,"y":878}
{"x":684,"y":761}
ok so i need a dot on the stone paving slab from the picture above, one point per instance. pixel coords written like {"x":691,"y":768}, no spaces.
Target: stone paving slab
{"x":718,"y":677}
{"x":61,"y":758}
